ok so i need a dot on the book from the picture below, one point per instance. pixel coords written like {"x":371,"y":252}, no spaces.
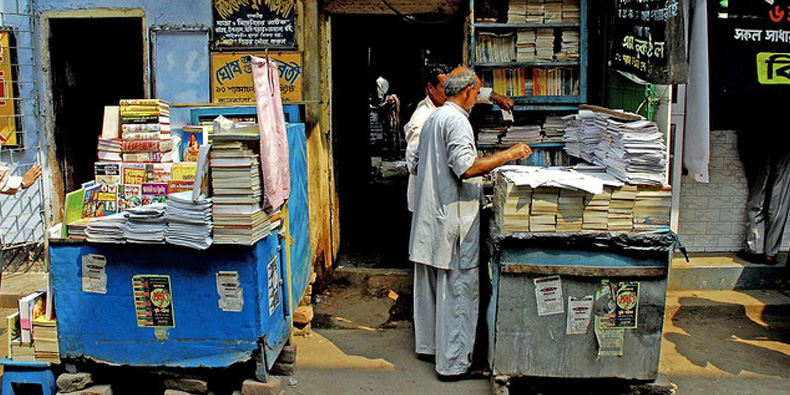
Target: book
{"x":201,"y":172}
{"x":174,"y":186}
{"x":31,"y":307}
{"x":154,"y":193}
{"x":143,"y":102}
{"x":13,"y":330}
{"x":184,"y":171}
{"x":107,"y":172}
{"x":162,"y":172}
{"x":193,"y":137}
{"x":111,"y":123}
{"x":145,"y":119}
{"x":136,"y":173}
{"x":72,"y":209}
{"x":129,"y":196}
{"x":143,"y":157}
{"x":100,"y":200}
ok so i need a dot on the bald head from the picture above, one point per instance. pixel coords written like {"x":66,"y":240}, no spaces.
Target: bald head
{"x":458,"y":80}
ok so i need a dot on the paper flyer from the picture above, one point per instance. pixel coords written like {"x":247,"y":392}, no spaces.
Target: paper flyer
{"x":231,"y":295}
{"x":610,"y":340}
{"x":274,"y":285}
{"x":94,"y":276}
{"x":548,"y":294}
{"x":153,"y":301}
{"x":579,"y":315}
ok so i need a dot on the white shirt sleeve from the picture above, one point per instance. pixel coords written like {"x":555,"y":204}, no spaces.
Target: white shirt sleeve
{"x":485,"y":95}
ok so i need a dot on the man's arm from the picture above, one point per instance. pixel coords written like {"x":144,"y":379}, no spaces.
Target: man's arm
{"x":13,"y":184}
{"x":488,"y":96}
{"x":486,"y":164}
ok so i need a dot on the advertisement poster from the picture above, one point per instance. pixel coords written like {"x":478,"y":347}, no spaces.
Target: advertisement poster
{"x":7,"y":107}
{"x":153,"y":301}
{"x":94,"y":276}
{"x":231,"y":77}
{"x":579,"y":315}
{"x":231,"y":295}
{"x":274,"y":285}
{"x":650,"y":40}
{"x":622,"y":304}
{"x":548,"y":293}
{"x":254,"y":23}
{"x":610,"y":340}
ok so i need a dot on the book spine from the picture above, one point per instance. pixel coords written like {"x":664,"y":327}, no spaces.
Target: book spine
{"x":142,"y":102}
{"x":141,"y":127}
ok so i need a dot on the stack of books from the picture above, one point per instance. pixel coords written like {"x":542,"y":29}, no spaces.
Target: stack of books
{"x":554,"y":128}
{"x":569,"y":47}
{"x":525,"y":45}
{"x":543,"y":212}
{"x":145,"y":128}
{"x":652,"y":209}
{"x":570,"y":209}
{"x":110,"y":149}
{"x":513,"y":203}
{"x":517,"y":11}
{"x":189,"y":221}
{"x":571,"y":13}
{"x":535,"y":11}
{"x":495,"y":48}
{"x":621,"y":209}
{"x":45,"y":340}
{"x":488,"y":136}
{"x":23,"y":332}
{"x":237,"y":194}
{"x":529,"y":134}
{"x":596,"y":211}
{"x":544,"y":45}
{"x":552,"y":11}
{"x":637,"y":153}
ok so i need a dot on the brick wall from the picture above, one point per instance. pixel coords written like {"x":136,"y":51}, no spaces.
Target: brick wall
{"x":712,"y":216}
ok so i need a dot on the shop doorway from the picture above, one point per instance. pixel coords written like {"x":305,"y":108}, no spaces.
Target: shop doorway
{"x":95,"y":63}
{"x":374,"y":220}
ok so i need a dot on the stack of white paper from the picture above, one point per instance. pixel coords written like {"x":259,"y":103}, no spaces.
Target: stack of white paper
{"x":189,"y":222}
{"x":569,"y":49}
{"x":535,"y":11}
{"x":525,"y":45}
{"x":529,"y":134}
{"x":146,"y":224}
{"x":637,"y":154}
{"x":544,"y":45}
{"x":108,"y":229}
{"x":554,"y":128}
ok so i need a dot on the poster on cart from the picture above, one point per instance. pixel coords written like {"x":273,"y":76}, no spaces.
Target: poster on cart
{"x":548,"y":294}
{"x":254,"y":23}
{"x":153,"y":301}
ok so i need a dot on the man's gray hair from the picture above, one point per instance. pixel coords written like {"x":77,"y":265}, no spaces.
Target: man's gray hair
{"x":458,"y":80}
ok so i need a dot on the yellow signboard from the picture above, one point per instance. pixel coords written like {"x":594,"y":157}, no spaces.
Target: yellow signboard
{"x":231,"y":77}
{"x":7,"y":108}
{"x":773,"y":68}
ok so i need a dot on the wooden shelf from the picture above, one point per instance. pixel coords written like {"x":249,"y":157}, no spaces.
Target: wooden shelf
{"x":536,"y":145}
{"x":489,"y":25}
{"x":526,"y":64}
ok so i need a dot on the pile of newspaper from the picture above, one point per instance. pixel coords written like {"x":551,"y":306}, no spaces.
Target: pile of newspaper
{"x":189,"y":222}
{"x":146,"y":224}
{"x":635,"y":152}
{"x":583,"y":135}
{"x":108,"y":229}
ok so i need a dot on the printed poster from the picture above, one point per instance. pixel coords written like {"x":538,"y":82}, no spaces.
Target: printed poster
{"x":153,"y":301}
{"x":579,"y":315}
{"x":273,"y":284}
{"x":231,"y":77}
{"x":231,"y":295}
{"x":7,"y":107}
{"x":610,"y":340}
{"x":622,"y":301}
{"x":548,"y":294}
{"x":94,"y":276}
{"x":254,"y":23}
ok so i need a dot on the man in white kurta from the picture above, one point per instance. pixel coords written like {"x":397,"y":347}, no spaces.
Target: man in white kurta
{"x":445,"y":231}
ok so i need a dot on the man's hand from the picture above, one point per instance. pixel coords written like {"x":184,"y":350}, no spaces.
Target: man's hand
{"x":31,"y":176}
{"x":519,"y":151}
{"x":502,"y":101}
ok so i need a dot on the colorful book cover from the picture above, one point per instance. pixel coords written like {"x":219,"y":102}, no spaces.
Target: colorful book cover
{"x":174,"y":186}
{"x":154,"y":192}
{"x":100,"y":200}
{"x":31,"y":307}
{"x":73,"y":210}
{"x":184,"y":171}
{"x":136,"y":173}
{"x":193,"y":137}
{"x":13,"y":330}
{"x":129,"y":196}
{"x":163,"y":172}
{"x":143,"y":102}
{"x":107,"y":172}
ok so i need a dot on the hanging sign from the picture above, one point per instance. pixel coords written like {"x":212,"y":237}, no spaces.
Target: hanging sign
{"x":254,"y":24}
{"x":649,"y":40}
{"x":231,"y":77}
{"x":7,"y":107}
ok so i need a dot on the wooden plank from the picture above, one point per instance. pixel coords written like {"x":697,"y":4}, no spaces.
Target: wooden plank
{"x":586,"y":271}
{"x":616,"y":114}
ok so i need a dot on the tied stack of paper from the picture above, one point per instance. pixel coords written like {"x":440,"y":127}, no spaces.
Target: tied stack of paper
{"x":529,"y":134}
{"x":544,"y":45}
{"x":570,"y":208}
{"x":517,"y":11}
{"x":543,"y":213}
{"x":513,"y":202}
{"x":554,"y":128}
{"x":652,"y":208}
{"x":525,"y":45}
{"x":583,"y":135}
{"x":108,"y":229}
{"x":146,"y":224}
{"x":637,"y":152}
{"x":569,"y":48}
{"x":488,"y":136}
{"x":621,"y":208}
{"x":188,"y":222}
{"x":553,"y":11}
{"x":535,"y":11}
{"x":571,"y":13}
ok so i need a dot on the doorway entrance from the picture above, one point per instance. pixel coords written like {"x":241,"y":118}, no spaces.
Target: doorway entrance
{"x":95,"y":63}
{"x":371,"y":180}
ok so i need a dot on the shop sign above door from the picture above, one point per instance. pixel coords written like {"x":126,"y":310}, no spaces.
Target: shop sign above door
{"x":231,"y":77}
{"x":250,"y":24}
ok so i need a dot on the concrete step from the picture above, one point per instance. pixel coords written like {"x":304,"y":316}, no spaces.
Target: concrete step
{"x":725,"y":271}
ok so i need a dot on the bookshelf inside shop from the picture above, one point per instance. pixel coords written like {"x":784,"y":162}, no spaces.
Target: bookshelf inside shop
{"x":535,"y":52}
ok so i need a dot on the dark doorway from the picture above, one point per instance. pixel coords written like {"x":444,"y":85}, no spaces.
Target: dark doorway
{"x":374,"y":220}
{"x":95,"y":63}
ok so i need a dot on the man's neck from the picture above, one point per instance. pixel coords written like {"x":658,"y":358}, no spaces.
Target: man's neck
{"x":458,"y":101}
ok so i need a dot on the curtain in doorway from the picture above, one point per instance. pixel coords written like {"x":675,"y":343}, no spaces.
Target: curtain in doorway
{"x":696,"y":144}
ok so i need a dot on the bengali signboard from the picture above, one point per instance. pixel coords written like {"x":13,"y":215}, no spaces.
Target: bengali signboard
{"x":231,"y":77}
{"x":649,"y":40}
{"x":7,"y":106}
{"x":248,"y":24}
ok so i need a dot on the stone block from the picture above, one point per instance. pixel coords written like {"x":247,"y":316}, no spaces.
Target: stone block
{"x":303,"y":331}
{"x":68,"y":382}
{"x":282,"y":369}
{"x":303,"y":314}
{"x":255,"y":387}
{"x":176,"y":392}
{"x":191,"y":385}
{"x":94,"y":390}
{"x":288,"y":354}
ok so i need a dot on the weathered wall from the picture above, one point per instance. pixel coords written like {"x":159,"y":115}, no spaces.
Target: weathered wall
{"x":713,"y":215}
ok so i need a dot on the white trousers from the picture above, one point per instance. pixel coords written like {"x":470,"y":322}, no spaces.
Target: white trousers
{"x":445,"y":316}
